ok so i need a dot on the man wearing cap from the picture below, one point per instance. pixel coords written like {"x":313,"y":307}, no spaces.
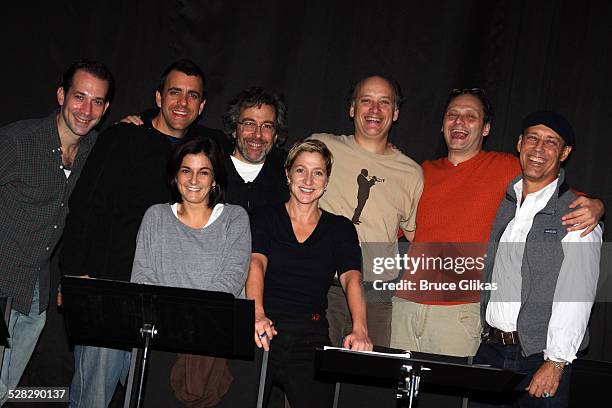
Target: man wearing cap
{"x":461,"y":195}
{"x":543,"y":278}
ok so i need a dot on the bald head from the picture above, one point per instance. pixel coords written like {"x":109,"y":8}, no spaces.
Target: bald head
{"x":393,"y":85}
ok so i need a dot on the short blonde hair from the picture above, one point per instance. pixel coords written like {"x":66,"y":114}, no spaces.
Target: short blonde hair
{"x":310,"y":146}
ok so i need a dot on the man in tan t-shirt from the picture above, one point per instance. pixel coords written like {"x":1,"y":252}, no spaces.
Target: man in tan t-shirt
{"x":378,"y":188}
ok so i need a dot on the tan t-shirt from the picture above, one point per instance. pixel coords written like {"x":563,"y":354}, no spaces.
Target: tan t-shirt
{"x":378,"y":192}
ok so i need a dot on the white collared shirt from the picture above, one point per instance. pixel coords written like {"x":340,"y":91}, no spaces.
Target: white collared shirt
{"x":568,"y":320}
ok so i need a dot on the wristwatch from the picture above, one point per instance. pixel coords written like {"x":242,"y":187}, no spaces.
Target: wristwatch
{"x":560,"y":365}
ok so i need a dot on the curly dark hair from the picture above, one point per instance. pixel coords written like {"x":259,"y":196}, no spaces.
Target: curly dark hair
{"x":256,"y":96}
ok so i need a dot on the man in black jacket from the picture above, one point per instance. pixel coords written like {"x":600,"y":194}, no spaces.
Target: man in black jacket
{"x":256,"y":120}
{"x":125,"y":175}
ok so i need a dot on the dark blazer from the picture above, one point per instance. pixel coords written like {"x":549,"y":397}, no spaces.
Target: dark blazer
{"x":124,"y":176}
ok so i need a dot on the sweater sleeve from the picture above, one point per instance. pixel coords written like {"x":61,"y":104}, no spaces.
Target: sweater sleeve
{"x":236,"y":254}
{"x":143,"y":270}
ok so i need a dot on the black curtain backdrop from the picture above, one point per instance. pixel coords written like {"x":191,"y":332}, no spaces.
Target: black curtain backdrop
{"x":528,"y":55}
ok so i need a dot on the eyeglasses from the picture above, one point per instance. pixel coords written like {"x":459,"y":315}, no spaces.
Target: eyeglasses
{"x":471,"y":91}
{"x":252,"y":126}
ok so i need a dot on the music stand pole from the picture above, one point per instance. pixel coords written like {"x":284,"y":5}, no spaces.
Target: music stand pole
{"x":147,"y":331}
{"x":262,"y":379}
{"x":409,"y":381}
{"x":4,"y":334}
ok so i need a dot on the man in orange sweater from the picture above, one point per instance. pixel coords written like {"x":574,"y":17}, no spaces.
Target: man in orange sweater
{"x":440,"y":312}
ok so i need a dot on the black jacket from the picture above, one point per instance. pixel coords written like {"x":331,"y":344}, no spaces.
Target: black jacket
{"x":124,"y":175}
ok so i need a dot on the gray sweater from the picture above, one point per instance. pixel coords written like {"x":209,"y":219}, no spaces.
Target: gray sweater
{"x":169,"y":253}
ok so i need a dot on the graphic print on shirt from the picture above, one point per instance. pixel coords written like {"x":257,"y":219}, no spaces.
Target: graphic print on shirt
{"x":364,"y":184}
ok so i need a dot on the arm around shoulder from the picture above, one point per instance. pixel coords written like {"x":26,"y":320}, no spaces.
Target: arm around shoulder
{"x":585,"y":215}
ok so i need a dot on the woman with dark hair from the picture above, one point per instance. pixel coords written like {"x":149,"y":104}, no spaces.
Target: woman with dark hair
{"x":297,"y":249}
{"x":196,"y":241}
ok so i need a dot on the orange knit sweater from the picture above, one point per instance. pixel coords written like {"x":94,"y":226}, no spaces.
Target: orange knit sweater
{"x":458,"y":205}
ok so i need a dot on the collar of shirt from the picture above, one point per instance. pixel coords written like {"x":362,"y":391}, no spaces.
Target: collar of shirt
{"x":526,"y":209}
{"x":216,"y":212}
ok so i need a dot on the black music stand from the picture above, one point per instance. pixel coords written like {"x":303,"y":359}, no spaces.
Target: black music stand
{"x":4,"y":322}
{"x":408,"y":374}
{"x":117,"y":314}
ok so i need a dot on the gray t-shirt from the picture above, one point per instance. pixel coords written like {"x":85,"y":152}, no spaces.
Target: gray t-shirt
{"x":216,"y":257}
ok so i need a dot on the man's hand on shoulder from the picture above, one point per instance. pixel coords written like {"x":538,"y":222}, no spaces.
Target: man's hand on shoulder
{"x":133,"y":119}
{"x":586,"y":214}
